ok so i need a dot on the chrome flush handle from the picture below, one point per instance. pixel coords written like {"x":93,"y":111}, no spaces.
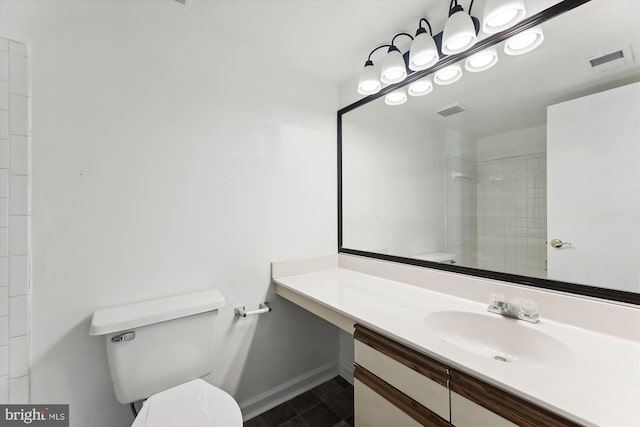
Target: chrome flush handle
{"x":125,"y":336}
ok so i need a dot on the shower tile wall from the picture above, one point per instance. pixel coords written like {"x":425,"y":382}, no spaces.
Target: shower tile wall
{"x":512,"y":221}
{"x":15,"y":220}
{"x":461,"y":210}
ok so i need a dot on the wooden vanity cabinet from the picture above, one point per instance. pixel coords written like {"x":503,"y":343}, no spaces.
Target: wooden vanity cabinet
{"x":398,"y":386}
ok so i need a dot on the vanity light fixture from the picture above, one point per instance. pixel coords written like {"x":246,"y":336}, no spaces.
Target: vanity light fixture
{"x":524,"y":42}
{"x":482,"y":60}
{"x":502,"y":14}
{"x":460,"y":31}
{"x":394,"y":69}
{"x":423,"y":52}
{"x":397,"y":97}
{"x":421,"y":87}
{"x":459,"y":34}
{"x":448,"y":75}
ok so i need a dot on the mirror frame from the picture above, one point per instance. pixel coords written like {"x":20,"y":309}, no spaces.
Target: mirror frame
{"x":573,"y":288}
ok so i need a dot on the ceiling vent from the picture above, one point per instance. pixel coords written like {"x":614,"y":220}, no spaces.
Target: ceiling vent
{"x":452,"y":109}
{"x":612,"y":61}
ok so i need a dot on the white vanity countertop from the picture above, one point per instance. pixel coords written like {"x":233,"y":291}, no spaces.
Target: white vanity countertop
{"x":599,"y":386}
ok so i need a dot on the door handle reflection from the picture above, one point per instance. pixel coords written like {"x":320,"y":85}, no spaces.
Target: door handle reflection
{"x":557,"y":243}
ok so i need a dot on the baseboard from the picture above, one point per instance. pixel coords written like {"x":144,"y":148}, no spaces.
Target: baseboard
{"x":271,"y":398}
{"x":345,"y":370}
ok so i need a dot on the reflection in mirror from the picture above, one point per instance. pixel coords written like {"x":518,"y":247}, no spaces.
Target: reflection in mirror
{"x":484,"y":173}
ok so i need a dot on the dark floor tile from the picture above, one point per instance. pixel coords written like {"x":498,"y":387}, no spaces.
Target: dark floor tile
{"x":295,"y":422}
{"x":320,"y":416}
{"x":304,"y":402}
{"x":278,"y":415}
{"x":350,"y":420}
{"x":341,"y":403}
{"x":342,"y":382}
{"x":256,"y":422}
{"x":326,"y":389}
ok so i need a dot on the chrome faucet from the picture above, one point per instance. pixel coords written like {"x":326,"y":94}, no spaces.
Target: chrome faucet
{"x":526,"y":310}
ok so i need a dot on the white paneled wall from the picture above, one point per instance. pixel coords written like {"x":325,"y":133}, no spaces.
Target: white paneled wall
{"x":15,"y":220}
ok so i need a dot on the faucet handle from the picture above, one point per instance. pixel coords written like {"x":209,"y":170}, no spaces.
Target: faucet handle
{"x":497,"y":300}
{"x":498,"y":304}
{"x":529,"y":309}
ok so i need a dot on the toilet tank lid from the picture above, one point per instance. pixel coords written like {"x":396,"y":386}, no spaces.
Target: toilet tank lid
{"x":129,"y":316}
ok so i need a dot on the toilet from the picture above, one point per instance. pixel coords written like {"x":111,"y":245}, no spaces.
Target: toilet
{"x":158,"y":350}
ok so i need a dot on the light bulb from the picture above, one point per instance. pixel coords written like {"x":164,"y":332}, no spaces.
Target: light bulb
{"x":459,"y":32}
{"x":368,"y":82}
{"x":524,"y":42}
{"x":393,"y":68}
{"x":396,"y":97}
{"x":448,"y":75}
{"x":481,"y":61}
{"x":421,"y":87}
{"x":502,"y":14}
{"x":424,"y":52}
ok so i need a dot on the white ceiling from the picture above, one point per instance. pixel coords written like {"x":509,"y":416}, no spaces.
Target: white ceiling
{"x":330,"y":38}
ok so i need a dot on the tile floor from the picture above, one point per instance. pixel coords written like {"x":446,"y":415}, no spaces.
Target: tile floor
{"x":328,"y":405}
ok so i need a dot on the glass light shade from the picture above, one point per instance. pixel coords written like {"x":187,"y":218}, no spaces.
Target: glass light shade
{"x":423,"y":53}
{"x":481,"y":61}
{"x":448,"y":75}
{"x":393,"y":68}
{"x":368,"y":82}
{"x":396,"y":97}
{"x":421,"y":87}
{"x":459,"y":33}
{"x":502,"y":14}
{"x":524,"y":42}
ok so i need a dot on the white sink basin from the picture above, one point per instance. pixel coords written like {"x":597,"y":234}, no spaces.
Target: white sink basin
{"x":499,"y":338}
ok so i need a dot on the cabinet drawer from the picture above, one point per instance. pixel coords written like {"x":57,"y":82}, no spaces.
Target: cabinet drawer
{"x":470,"y":414}
{"x":372,"y":410}
{"x":377,"y":404}
{"x":469,"y":396}
{"x":417,"y":376}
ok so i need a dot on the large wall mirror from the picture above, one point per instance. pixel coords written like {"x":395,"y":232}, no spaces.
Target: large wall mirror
{"x":534,"y":180}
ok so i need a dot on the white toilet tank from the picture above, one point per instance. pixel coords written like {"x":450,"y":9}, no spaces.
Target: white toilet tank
{"x":154,"y":345}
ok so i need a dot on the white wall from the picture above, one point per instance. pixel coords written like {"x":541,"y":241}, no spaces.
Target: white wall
{"x":165,"y":160}
{"x":393,"y":181}
{"x":510,"y":144}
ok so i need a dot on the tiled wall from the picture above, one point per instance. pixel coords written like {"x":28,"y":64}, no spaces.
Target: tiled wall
{"x":15,"y":220}
{"x":461,"y":210}
{"x":512,"y":218}
{"x":496,"y":213}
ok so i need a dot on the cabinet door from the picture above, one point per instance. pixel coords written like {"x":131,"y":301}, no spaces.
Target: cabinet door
{"x":470,"y":414}
{"x":478,"y":404}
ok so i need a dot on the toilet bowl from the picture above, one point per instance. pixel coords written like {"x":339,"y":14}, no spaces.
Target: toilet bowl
{"x":158,"y":350}
{"x":195,"y":404}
